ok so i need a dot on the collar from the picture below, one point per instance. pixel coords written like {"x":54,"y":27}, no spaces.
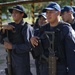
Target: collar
{"x":21,"y":23}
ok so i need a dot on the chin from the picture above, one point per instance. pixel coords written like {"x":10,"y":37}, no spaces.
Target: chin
{"x":50,"y":21}
{"x":14,"y":19}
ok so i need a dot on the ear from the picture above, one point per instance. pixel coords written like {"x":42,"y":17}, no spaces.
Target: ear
{"x":22,"y":14}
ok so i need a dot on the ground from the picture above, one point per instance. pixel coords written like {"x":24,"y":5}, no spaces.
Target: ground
{"x":3,"y":64}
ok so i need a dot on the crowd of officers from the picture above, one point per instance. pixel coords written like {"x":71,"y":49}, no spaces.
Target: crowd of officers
{"x":23,"y":38}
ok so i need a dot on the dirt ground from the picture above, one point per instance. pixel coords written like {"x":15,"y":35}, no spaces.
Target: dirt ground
{"x":2,"y":60}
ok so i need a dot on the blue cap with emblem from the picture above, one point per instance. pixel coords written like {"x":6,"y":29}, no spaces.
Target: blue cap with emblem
{"x":52,"y":6}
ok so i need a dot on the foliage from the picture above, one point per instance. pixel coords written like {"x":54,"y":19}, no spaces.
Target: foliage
{"x":38,"y":7}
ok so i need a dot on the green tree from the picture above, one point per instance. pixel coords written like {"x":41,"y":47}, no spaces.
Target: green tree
{"x":37,"y":6}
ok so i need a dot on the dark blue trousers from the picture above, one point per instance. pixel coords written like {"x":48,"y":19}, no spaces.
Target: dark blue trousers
{"x":21,"y":70}
{"x":37,"y":64}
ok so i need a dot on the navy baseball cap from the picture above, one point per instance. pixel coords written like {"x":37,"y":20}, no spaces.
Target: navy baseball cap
{"x":19,"y":8}
{"x":52,"y":6}
{"x":67,"y":8}
{"x":73,"y":8}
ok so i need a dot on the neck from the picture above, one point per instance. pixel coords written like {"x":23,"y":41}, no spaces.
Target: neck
{"x":17,"y":22}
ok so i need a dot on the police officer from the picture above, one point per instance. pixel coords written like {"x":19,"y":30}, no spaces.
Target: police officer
{"x":41,"y":20}
{"x":19,"y":33}
{"x":67,"y":14}
{"x":64,"y":41}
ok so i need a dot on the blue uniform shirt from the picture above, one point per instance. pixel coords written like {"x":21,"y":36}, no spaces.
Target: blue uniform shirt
{"x":20,"y":50}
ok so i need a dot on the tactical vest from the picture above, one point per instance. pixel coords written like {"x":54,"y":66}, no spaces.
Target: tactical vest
{"x":15,"y":36}
{"x":59,"y":47}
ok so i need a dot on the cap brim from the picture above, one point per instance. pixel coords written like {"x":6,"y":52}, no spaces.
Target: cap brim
{"x":44,"y":10}
{"x":42,"y":14}
{"x":11,"y":9}
{"x":25,"y":15}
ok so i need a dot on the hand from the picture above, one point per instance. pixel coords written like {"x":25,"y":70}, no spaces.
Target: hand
{"x":7,"y":45}
{"x":34,"y":41}
{"x":8,"y":27}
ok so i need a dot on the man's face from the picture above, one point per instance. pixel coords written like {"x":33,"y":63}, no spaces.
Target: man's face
{"x":16,"y":15}
{"x":65,"y":16}
{"x":51,"y":15}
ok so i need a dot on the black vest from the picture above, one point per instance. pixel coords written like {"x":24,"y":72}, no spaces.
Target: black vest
{"x":15,"y":36}
{"x":59,"y":47}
